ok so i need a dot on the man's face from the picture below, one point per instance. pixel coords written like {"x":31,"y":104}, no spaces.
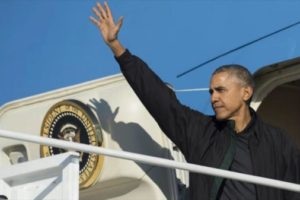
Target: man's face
{"x":228,"y":96}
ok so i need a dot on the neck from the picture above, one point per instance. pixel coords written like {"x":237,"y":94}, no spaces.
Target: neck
{"x":242,"y":120}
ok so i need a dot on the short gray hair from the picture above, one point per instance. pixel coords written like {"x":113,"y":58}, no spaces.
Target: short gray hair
{"x":239,"y":71}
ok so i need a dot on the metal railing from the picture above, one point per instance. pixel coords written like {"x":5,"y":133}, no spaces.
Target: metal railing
{"x":151,"y":160}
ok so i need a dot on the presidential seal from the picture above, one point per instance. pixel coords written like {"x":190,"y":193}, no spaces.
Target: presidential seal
{"x":74,"y":121}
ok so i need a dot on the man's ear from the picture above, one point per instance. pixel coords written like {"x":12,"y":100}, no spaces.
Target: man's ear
{"x":248,"y":92}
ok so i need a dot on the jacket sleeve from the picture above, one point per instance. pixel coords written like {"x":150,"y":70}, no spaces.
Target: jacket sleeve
{"x":160,"y":101}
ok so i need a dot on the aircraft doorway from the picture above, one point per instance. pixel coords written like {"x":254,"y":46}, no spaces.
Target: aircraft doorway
{"x":277,"y":96}
{"x":282,"y":108}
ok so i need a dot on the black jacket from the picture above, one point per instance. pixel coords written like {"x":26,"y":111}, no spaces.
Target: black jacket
{"x":204,"y":141}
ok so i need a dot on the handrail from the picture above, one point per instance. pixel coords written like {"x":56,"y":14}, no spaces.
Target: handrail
{"x":151,"y":160}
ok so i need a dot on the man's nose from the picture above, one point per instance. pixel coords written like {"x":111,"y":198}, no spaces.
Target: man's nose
{"x":214,"y":97}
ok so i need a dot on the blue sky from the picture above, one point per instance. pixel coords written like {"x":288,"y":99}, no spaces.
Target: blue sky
{"x":45,"y":45}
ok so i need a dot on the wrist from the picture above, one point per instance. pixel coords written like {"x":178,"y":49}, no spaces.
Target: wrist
{"x":116,"y":47}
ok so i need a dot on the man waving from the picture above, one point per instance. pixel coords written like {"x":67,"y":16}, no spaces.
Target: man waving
{"x":235,"y":138}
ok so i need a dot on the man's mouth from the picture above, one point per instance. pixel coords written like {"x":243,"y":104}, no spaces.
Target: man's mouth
{"x":216,"y":108}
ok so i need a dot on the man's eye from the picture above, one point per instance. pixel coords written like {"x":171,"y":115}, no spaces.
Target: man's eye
{"x":221,"y":90}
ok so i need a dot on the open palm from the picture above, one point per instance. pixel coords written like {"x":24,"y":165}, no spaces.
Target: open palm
{"x":105,"y":22}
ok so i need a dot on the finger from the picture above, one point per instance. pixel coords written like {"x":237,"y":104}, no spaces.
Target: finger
{"x":102,"y":11}
{"x":108,"y":11}
{"x":96,"y":22}
{"x":97,"y":13}
{"x":120,"y":22}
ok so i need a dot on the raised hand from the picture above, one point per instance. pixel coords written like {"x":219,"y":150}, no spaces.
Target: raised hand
{"x":106,"y":24}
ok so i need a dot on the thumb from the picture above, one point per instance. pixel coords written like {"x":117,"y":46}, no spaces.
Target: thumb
{"x":120,"y":22}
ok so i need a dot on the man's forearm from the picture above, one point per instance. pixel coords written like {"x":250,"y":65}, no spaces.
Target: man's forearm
{"x":116,"y":48}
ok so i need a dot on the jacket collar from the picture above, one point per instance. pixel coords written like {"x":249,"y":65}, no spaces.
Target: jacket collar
{"x":230,"y":124}
{"x":255,"y":124}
